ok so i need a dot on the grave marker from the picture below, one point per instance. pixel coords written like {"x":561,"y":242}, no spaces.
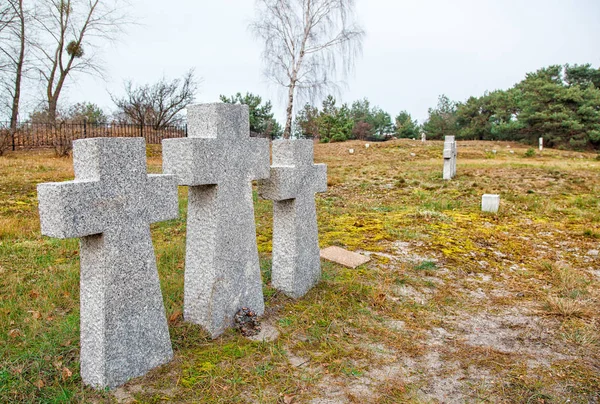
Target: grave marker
{"x":449,"y":158}
{"x":110,"y":206}
{"x":490,"y":203}
{"x":217,"y":162}
{"x":292,"y":186}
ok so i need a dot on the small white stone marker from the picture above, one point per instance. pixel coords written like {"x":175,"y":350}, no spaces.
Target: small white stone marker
{"x":292,"y":186}
{"x":367,"y":146}
{"x":541,"y":143}
{"x":351,"y":151}
{"x":490,"y":203}
{"x":218,"y":160}
{"x":449,"y":158}
{"x":423,"y":137}
{"x":413,"y":155}
{"x":110,"y":206}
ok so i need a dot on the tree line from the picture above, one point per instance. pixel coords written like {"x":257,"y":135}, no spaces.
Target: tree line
{"x":559,"y":103}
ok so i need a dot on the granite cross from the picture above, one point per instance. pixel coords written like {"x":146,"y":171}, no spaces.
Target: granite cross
{"x":218,"y":161}
{"x":292,"y":186}
{"x":110,"y":205}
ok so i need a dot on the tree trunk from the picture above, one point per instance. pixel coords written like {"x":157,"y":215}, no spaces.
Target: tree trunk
{"x":19,"y":73}
{"x":287,"y":132}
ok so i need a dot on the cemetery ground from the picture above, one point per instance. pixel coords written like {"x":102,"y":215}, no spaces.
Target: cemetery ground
{"x":456,"y":305}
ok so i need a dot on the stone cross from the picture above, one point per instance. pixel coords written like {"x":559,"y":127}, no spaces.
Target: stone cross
{"x":292,"y":186}
{"x":110,"y":206}
{"x":217,"y":162}
{"x":449,"y":157}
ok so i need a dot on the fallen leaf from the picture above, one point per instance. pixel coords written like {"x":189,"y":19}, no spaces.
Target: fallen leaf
{"x":175,"y":316}
{"x":39,"y":384}
{"x":15,"y":333}
{"x":66,"y":373}
{"x":288,"y":398}
{"x":35,"y":314}
{"x":34,"y":294}
{"x":57,"y":365}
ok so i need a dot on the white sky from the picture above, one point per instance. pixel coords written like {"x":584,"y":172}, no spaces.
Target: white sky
{"x":413,"y":51}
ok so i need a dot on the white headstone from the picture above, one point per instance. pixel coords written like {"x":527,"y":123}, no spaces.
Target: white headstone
{"x":110,"y":206}
{"x":351,"y":151}
{"x":541,"y":143}
{"x":218,"y":161}
{"x":449,"y":158}
{"x":490,"y":203}
{"x":367,"y":146}
{"x":292,"y":186}
{"x":423,"y":137}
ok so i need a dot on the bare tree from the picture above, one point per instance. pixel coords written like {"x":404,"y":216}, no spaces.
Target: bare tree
{"x":304,"y":43}
{"x":13,"y":17}
{"x":70,"y":32}
{"x":158,"y":104}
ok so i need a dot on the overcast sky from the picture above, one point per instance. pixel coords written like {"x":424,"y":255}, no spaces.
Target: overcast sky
{"x":413,"y":50}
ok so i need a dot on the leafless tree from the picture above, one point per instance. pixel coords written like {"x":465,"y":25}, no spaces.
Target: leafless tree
{"x":13,"y":18}
{"x":158,"y":104}
{"x":307,"y":43}
{"x":70,"y":32}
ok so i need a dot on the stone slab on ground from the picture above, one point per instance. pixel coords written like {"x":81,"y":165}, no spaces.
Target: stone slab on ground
{"x":344,"y":257}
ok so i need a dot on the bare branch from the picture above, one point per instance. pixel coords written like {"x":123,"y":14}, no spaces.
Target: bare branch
{"x":307,"y":44}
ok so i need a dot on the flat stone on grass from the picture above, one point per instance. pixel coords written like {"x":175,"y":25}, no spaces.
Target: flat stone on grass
{"x":344,"y":257}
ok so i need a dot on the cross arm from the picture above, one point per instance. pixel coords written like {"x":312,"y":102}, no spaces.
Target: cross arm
{"x":287,"y":182}
{"x":71,"y":209}
{"x":163,"y":203}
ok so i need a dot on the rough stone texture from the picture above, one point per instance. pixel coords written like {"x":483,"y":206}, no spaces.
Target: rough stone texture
{"x":218,"y":161}
{"x":110,"y":205}
{"x":292,"y":186}
{"x":490,"y":203}
{"x":344,"y":257}
{"x":449,"y":157}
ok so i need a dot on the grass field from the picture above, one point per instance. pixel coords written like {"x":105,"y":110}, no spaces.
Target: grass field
{"x":455,"y":305}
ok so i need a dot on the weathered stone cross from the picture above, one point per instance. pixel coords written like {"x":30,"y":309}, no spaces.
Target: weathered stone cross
{"x":292,"y":186}
{"x":449,"y":157}
{"x":110,"y":205}
{"x":218,"y":161}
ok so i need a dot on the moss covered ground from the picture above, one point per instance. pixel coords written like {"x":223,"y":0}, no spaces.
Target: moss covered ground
{"x":456,"y":305}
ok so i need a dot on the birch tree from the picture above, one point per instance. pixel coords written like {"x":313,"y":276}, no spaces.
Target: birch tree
{"x":307,"y":45}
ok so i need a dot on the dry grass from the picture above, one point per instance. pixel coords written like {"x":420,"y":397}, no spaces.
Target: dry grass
{"x":455,"y":306}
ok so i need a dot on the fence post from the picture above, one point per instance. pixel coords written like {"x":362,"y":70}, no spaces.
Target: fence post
{"x":186,"y":135}
{"x":85,"y":127}
{"x":12,"y":135}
